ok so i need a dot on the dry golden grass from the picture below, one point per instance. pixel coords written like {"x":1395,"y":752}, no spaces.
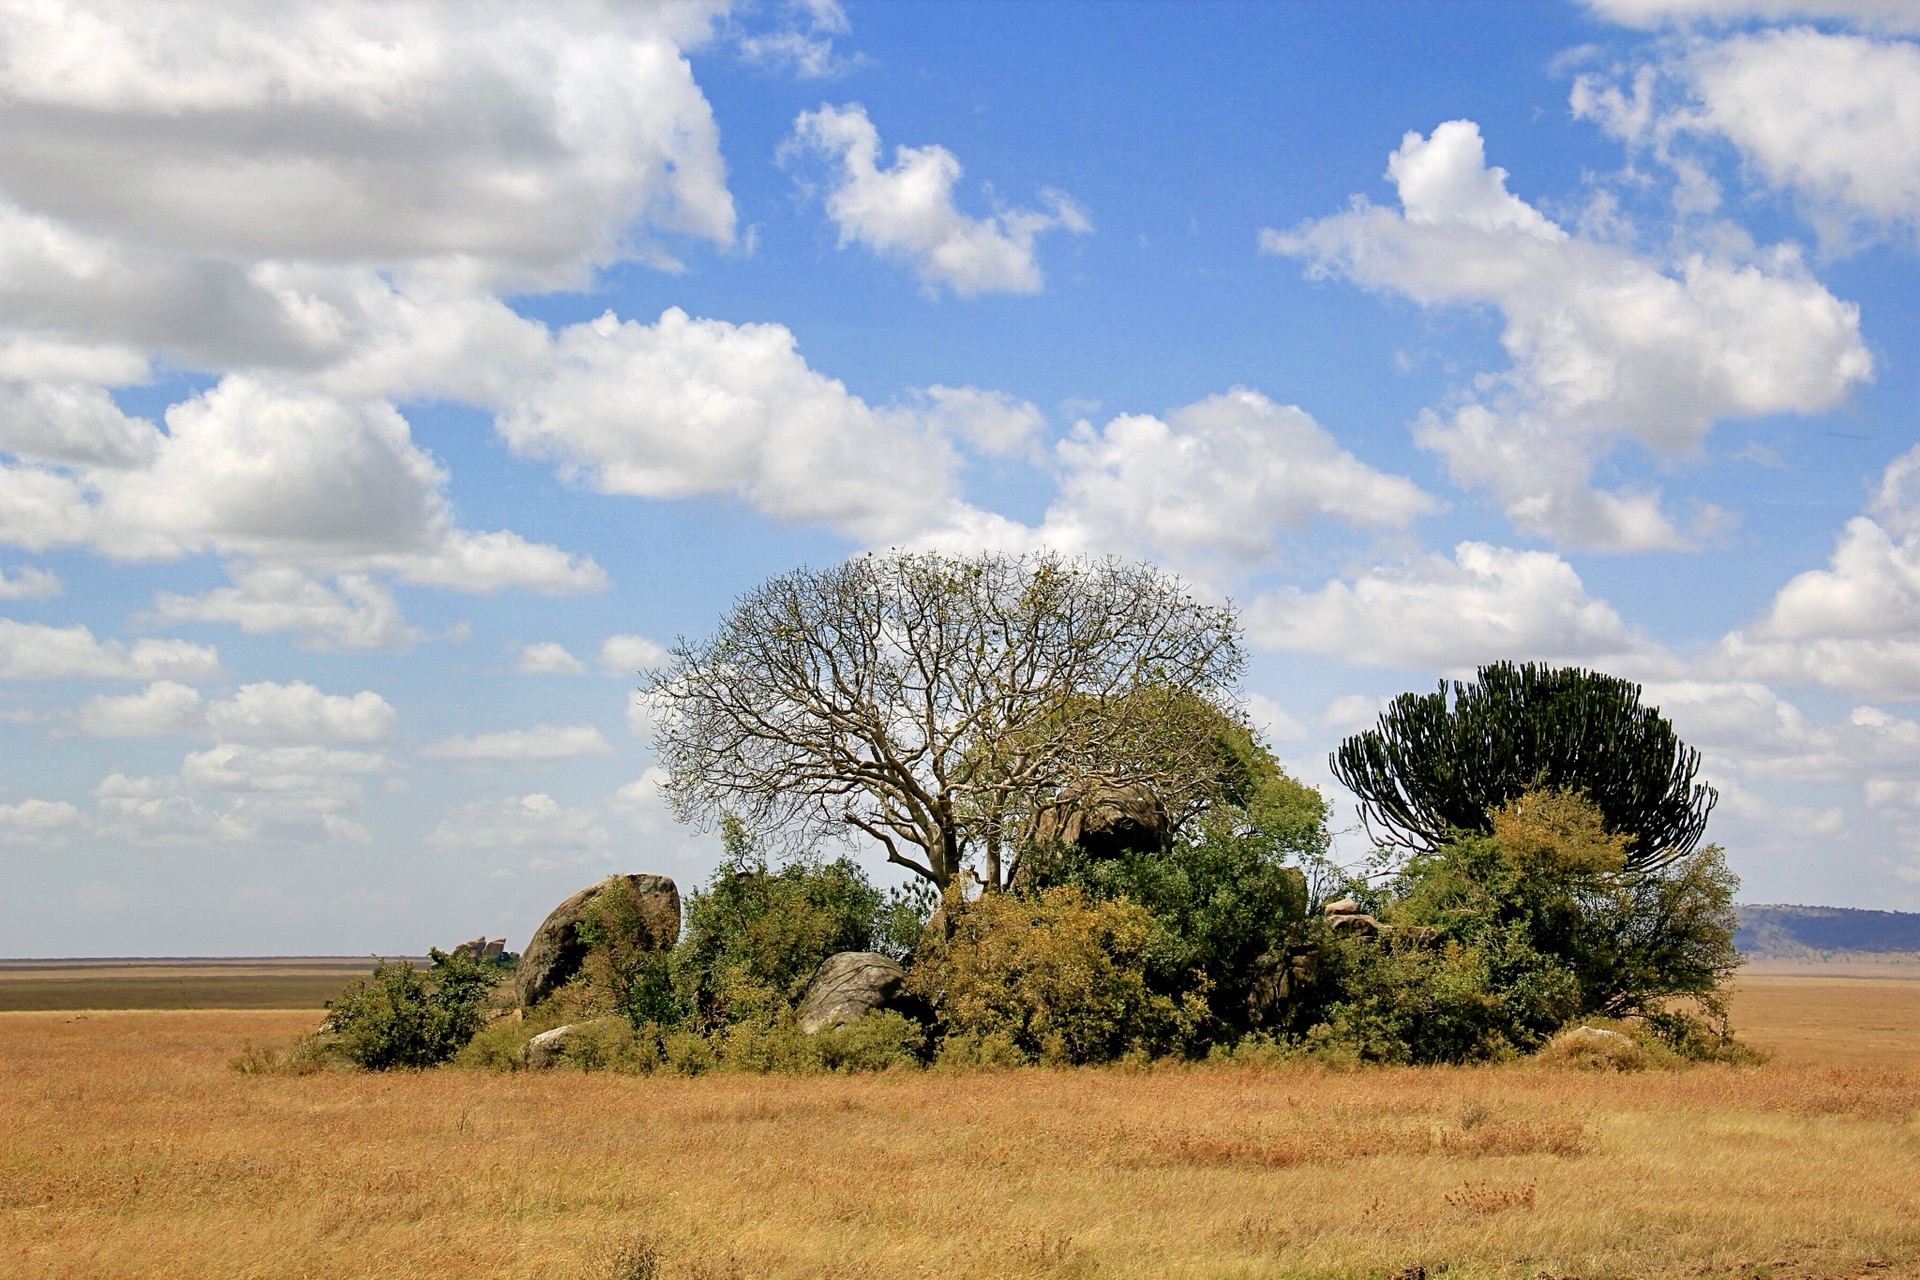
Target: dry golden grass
{"x":129,"y":1149}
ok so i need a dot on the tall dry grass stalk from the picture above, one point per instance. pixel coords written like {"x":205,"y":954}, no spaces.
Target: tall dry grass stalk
{"x":130,"y":1149}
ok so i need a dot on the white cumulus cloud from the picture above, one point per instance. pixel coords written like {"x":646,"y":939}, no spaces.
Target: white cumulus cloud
{"x":1892,"y":15}
{"x":1216,"y":478}
{"x":906,"y":210}
{"x":165,"y":708}
{"x":263,"y":713}
{"x":627,"y":654}
{"x":549,"y":658}
{"x":1607,"y":345}
{"x":1855,"y":624}
{"x":535,"y":822}
{"x":274,"y":471}
{"x":542,"y":742}
{"x":32,"y":651}
{"x":529,"y":143}
{"x":687,"y":406}
{"x":1831,"y":118}
{"x":28,"y":583}
{"x":39,"y":822}
{"x":234,"y":793}
{"x":357,"y":612}
{"x":1485,"y":603}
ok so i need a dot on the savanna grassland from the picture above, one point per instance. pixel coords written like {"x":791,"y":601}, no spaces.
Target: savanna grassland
{"x":278,"y":983}
{"x":131,"y":1149}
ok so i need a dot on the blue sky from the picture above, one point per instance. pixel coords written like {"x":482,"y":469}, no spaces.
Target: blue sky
{"x":382,"y":386}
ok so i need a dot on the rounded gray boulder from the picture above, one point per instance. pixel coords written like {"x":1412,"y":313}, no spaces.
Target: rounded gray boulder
{"x":645,"y":908}
{"x":848,"y":986}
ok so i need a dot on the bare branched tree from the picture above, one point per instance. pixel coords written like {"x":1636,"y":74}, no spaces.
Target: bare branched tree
{"x":934,"y":702}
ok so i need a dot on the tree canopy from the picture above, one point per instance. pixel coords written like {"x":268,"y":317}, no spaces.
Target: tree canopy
{"x":1441,"y":764}
{"x":935,"y":702}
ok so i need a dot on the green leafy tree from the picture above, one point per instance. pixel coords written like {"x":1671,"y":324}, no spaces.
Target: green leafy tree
{"x":402,"y":1017}
{"x":1500,"y":939}
{"x":756,"y":934}
{"x":1438,"y":764}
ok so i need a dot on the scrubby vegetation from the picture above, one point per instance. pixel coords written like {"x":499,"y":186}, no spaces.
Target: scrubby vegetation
{"x":1497,"y":941}
{"x":401,"y":1017}
{"x":1481,"y":949}
{"x":1110,"y":864}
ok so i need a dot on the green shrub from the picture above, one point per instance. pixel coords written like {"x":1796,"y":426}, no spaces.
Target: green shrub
{"x":401,"y":1017}
{"x":496,"y":1046}
{"x":1539,"y":922}
{"x":1059,"y":976}
{"x":755,"y":935}
{"x":1458,"y":1001}
{"x":880,"y":1041}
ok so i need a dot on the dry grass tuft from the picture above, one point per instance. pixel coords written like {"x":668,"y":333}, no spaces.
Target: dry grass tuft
{"x":131,"y":1150}
{"x":1485,"y":1197}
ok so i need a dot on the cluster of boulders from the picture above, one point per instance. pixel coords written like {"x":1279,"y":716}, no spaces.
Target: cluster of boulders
{"x":1347,"y":919}
{"x":845,"y":987}
{"x":479,"y":949}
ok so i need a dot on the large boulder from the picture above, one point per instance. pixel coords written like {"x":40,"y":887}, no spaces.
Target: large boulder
{"x":1105,"y":823}
{"x":555,"y":952}
{"x":848,"y":986}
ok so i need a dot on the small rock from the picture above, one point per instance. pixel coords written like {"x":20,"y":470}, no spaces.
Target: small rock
{"x":848,"y":986}
{"x":1594,"y":1048}
{"x":1598,"y":1037}
{"x":1341,"y":907}
{"x":543,"y":1049}
{"x":493,"y":949}
{"x":549,"y":1047}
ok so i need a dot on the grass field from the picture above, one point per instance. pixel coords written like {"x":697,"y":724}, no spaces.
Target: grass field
{"x":130,"y":1149}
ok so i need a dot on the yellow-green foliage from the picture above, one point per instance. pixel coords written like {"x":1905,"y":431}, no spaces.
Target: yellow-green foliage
{"x":1557,"y":834}
{"x":1055,"y":977}
{"x":1541,"y":921}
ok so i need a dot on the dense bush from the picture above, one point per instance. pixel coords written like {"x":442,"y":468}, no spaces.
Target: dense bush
{"x":755,"y":935}
{"x":1051,"y":976}
{"x":1505,"y":937}
{"x":402,"y":1017}
{"x":1226,"y":897}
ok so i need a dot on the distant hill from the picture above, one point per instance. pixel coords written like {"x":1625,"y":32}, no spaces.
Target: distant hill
{"x":1789,"y":932}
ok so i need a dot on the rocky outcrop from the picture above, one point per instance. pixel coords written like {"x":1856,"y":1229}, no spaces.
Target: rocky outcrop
{"x":848,"y":986}
{"x":645,"y":909}
{"x":481,"y":948}
{"x":1106,"y":823}
{"x":1346,"y":919}
{"x":1593,"y":1049}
